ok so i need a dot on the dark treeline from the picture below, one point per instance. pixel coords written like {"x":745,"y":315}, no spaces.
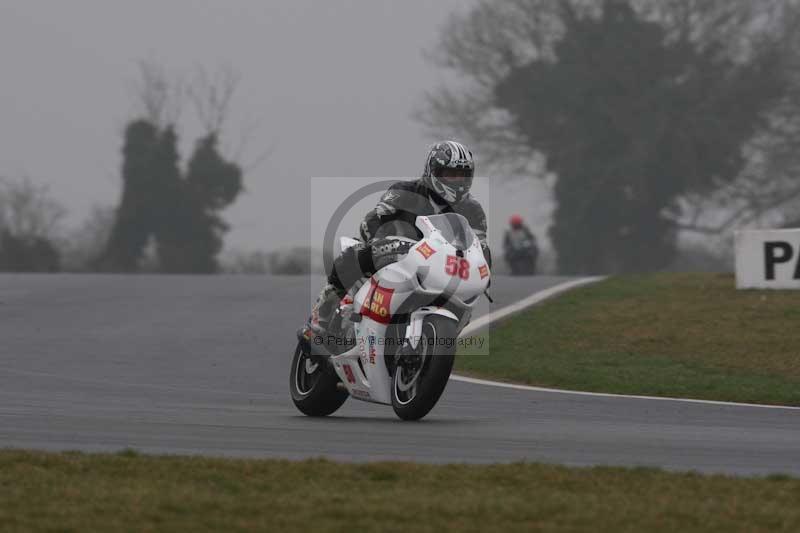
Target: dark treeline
{"x":28,"y":254}
{"x":28,"y":216}
{"x":178,"y":210}
{"x":654,"y":115}
{"x":175,"y":209}
{"x":657,"y":118}
{"x":168,"y":218}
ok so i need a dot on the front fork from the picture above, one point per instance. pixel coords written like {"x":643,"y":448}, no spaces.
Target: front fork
{"x":414,"y":329}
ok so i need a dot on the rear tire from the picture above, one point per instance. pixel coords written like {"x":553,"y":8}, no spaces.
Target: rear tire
{"x":437,"y":347}
{"x":313,"y":385}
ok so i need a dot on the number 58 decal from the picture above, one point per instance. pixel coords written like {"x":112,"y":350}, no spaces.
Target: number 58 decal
{"x":457,"y":266}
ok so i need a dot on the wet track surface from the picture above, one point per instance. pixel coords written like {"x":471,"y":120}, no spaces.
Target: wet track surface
{"x":183,"y":364}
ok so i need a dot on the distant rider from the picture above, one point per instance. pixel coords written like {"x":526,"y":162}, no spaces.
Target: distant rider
{"x":443,"y":188}
{"x":519,"y":247}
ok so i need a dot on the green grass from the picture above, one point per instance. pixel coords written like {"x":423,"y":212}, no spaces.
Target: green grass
{"x":687,"y":335}
{"x":131,"y":492}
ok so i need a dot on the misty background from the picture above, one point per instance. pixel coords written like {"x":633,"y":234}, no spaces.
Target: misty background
{"x":326,"y":89}
{"x":632,"y":135}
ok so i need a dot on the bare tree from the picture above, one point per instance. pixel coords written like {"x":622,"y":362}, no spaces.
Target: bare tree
{"x":27,"y":210}
{"x":159,"y":94}
{"x":211,"y":94}
{"x":480,"y":47}
{"x":29,"y":220}
{"x":766,"y":193}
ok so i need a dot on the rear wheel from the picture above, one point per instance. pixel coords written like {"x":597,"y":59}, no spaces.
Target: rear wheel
{"x":420,"y":378}
{"x":313,"y":385}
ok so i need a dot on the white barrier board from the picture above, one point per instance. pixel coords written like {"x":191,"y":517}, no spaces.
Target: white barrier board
{"x":768,"y":259}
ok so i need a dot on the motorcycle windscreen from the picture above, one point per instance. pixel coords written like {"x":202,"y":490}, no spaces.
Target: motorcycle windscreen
{"x":455,"y":229}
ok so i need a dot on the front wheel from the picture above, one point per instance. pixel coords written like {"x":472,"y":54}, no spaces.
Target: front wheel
{"x":314,"y":385}
{"x":420,"y":379}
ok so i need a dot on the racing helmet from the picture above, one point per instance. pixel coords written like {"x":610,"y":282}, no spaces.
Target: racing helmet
{"x":515,"y":221}
{"x":449,"y":169}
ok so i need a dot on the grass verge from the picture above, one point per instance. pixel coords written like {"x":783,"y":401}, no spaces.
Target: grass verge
{"x":685,"y":335}
{"x":79,"y":492}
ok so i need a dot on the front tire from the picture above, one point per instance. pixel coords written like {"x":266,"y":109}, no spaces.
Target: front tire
{"x":416,"y":390}
{"x":313,"y":385}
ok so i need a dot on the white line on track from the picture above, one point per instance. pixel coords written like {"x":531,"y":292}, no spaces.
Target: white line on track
{"x":545,"y":294}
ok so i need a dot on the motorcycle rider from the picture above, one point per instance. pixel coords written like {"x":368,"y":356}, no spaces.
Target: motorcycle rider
{"x":443,"y":188}
{"x":519,"y":247}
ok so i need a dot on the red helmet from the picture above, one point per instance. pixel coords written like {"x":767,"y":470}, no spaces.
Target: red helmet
{"x":515,"y":221}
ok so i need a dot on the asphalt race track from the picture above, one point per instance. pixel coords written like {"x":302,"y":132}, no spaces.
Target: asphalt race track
{"x":182,"y":364}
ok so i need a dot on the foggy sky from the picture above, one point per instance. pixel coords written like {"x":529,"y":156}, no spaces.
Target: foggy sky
{"x":331,"y":85}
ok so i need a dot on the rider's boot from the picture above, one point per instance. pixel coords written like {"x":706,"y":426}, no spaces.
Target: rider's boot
{"x":324,"y":308}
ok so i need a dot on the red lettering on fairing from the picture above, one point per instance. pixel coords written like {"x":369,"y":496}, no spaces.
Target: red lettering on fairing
{"x":378,"y":303}
{"x":455,"y":266}
{"x":351,"y":378}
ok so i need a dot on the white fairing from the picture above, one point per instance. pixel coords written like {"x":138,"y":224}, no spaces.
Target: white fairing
{"x":432,"y":267}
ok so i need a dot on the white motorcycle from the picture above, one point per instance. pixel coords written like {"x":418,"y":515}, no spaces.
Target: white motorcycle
{"x":394,"y":341}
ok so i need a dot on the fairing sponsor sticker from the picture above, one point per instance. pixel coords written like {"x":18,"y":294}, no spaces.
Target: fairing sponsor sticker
{"x":425,"y":250}
{"x":348,"y":371}
{"x":378,"y":303}
{"x":372,"y":351}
